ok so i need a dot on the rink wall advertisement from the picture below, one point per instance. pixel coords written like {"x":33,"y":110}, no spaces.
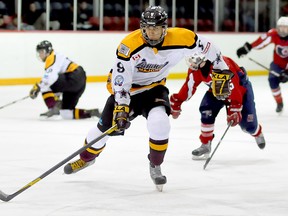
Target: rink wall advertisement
{"x":96,"y":53}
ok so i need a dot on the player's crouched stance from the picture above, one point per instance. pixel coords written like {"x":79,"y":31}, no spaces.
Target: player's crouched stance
{"x":62,"y":77}
{"x":154,"y":106}
{"x":230,"y":88}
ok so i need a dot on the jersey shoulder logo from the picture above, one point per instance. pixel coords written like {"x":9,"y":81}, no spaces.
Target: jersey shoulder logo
{"x":123,"y":49}
{"x":282,"y":51}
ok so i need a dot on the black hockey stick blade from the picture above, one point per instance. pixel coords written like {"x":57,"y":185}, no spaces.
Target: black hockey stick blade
{"x":4,"y":197}
{"x":209,"y":158}
{"x":7,"y":197}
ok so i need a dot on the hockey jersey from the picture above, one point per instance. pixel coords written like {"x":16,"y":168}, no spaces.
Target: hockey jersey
{"x":55,"y":64}
{"x":139,"y":67}
{"x":280,"y":53}
{"x":237,"y":85}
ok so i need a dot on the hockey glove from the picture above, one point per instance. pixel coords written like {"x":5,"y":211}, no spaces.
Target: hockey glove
{"x":283,"y":76}
{"x":121,"y":117}
{"x":234,"y":114}
{"x":221,"y":83}
{"x":244,"y":50}
{"x":175,"y":106}
{"x":34,"y":91}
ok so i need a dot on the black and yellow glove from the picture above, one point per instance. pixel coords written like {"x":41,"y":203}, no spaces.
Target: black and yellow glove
{"x":121,"y":117}
{"x":221,"y":79}
{"x":34,"y":91}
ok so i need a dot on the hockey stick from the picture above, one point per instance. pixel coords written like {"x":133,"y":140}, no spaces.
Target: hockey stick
{"x":209,"y":158}
{"x":13,"y":102}
{"x":258,"y":63}
{"x":7,"y":197}
{"x":263,"y":66}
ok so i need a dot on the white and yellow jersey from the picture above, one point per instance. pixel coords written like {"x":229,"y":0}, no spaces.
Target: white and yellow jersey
{"x":140,"y":67}
{"x":55,"y":64}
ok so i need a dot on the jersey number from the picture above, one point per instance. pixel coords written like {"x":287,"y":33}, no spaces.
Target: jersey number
{"x":120,"y":67}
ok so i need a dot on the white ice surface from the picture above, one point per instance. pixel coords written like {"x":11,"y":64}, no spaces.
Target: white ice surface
{"x":240,"y":179}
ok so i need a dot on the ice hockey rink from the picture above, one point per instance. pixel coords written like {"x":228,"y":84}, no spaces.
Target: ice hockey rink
{"x":240,"y":179}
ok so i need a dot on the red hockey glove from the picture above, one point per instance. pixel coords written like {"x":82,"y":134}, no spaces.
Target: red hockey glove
{"x":175,"y":106}
{"x":234,"y":114}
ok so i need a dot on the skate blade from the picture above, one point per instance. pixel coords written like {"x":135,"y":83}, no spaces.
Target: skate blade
{"x":52,"y":118}
{"x":159,"y":187}
{"x":201,"y":157}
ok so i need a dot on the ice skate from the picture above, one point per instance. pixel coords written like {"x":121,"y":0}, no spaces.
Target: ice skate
{"x":203,"y":152}
{"x":52,"y":111}
{"x":260,"y":140}
{"x":157,"y":177}
{"x":279,"y":107}
{"x":76,"y":166}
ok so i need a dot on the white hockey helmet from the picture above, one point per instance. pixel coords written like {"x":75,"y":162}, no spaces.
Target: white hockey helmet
{"x":282,"y":26}
{"x":195,"y":60}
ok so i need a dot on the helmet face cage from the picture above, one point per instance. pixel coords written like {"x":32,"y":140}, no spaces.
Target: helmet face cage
{"x":154,"y":16}
{"x":282,"y":26}
{"x":194,"y":61}
{"x":44,"y":45}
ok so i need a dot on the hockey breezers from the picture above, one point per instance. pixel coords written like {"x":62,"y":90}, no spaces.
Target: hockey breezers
{"x":13,"y":102}
{"x":209,"y":158}
{"x":6,"y":197}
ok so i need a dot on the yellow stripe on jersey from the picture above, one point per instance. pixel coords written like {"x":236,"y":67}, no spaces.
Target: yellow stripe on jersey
{"x":72,"y":67}
{"x":50,"y":60}
{"x":179,"y":37}
{"x":175,"y":38}
{"x":158,"y":147}
{"x":130,"y":43}
{"x":133,"y":89}
{"x":162,"y":82}
{"x":109,"y":84}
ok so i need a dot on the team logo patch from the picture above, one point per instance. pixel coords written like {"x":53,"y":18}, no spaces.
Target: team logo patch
{"x":207,"y":113}
{"x":145,"y":67}
{"x":282,"y":51}
{"x":218,"y":58}
{"x":122,"y":93}
{"x":119,"y":80}
{"x":250,"y":118}
{"x":136,"y":57}
{"x":123,"y":49}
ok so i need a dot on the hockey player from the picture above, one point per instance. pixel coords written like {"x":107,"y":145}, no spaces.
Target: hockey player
{"x":279,"y":66}
{"x":230,"y":89}
{"x":137,"y":86}
{"x":62,"y":76}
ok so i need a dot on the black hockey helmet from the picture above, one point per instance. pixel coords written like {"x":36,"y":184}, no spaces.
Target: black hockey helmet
{"x":44,"y":45}
{"x":154,"y":16}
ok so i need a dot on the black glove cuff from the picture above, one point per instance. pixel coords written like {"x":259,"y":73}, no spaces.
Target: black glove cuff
{"x":247,"y":47}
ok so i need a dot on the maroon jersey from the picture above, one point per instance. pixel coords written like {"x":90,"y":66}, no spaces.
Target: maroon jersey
{"x":194,"y":78}
{"x":280,"y":53}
